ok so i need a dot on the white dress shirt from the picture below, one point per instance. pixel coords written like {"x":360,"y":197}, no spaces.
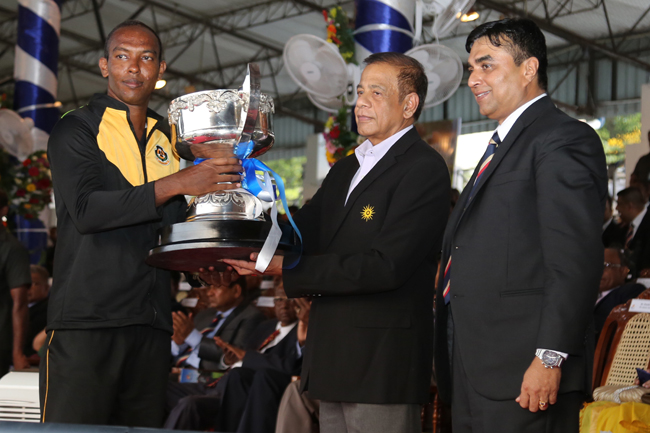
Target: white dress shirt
{"x":507,"y":124}
{"x":284,"y":331}
{"x":194,"y":339}
{"x":636,"y":222}
{"x":369,"y":155}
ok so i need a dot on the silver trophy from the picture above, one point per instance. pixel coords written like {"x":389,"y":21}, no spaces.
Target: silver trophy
{"x":224,"y":224}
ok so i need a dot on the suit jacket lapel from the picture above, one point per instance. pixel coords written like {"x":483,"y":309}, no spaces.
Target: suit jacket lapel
{"x":230,"y":318}
{"x":526,"y":118}
{"x":388,"y":160}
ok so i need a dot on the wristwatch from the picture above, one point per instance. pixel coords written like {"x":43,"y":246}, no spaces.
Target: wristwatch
{"x":549,"y":358}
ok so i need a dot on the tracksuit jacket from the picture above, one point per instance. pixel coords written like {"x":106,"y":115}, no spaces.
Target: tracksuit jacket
{"x":103,"y":179}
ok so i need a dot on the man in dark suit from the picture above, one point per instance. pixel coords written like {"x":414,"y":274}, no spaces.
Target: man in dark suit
{"x":522,"y":252}
{"x":193,"y":346}
{"x":229,"y":317}
{"x":613,"y":291}
{"x":614,"y":232}
{"x":371,"y":234}
{"x":632,"y":208}
{"x":247,"y":398}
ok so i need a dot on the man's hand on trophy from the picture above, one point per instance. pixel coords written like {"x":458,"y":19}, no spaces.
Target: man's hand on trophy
{"x":209,"y":176}
{"x":244,"y":267}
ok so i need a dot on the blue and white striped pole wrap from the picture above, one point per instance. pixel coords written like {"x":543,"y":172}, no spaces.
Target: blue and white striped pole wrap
{"x":383,"y":25}
{"x":36,"y":63}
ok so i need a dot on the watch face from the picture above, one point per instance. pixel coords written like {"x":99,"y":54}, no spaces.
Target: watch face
{"x":550,"y":358}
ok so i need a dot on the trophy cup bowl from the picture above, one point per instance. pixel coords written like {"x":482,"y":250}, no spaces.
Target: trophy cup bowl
{"x":223,"y":224}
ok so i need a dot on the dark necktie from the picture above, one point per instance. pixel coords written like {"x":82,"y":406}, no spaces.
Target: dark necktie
{"x":629,"y":236}
{"x":188,"y":350}
{"x":483,"y":165}
{"x":269,"y":339}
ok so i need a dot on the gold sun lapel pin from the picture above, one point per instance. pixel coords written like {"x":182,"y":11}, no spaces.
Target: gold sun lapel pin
{"x":367,"y":213}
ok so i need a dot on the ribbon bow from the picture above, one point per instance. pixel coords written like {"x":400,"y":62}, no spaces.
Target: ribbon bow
{"x":265,"y":191}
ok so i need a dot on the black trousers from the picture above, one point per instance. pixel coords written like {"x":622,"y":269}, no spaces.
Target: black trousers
{"x":250,"y":400}
{"x":191,"y":406}
{"x":474,"y":413}
{"x":113,"y":376}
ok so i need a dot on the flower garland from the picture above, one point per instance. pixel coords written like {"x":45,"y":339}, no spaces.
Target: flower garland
{"x":33,"y":185}
{"x":339,"y":32}
{"x":339,"y":140}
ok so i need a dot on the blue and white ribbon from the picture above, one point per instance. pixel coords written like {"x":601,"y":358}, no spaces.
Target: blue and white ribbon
{"x":36,"y":62}
{"x":382,"y":26}
{"x":264,"y":191}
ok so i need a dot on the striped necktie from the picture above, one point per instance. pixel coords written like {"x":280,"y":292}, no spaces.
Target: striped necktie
{"x":629,"y":236}
{"x":188,"y":351}
{"x":269,"y":339}
{"x":483,"y":165}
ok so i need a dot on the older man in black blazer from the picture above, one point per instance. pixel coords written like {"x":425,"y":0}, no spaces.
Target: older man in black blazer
{"x":371,"y":235}
{"x":522,"y":253}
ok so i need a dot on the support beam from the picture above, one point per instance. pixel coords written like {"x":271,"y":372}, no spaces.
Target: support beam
{"x":564,"y":34}
{"x":209,"y":24}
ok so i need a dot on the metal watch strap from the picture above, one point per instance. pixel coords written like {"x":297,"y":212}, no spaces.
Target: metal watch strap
{"x":540,"y":354}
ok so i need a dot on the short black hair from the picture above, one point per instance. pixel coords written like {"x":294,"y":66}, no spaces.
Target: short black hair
{"x":40,"y":270}
{"x":4,"y":199}
{"x":411,"y":77}
{"x":632,"y":195}
{"x":241,"y":281}
{"x":133,"y":23}
{"x":520,"y":37}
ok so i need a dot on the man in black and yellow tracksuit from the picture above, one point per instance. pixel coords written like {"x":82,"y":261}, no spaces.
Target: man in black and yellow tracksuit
{"x":116,"y":181}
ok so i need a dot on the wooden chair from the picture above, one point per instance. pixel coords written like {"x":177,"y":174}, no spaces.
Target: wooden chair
{"x":623,"y":346}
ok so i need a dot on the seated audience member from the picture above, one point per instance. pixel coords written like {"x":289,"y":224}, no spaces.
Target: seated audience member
{"x":227,"y":316}
{"x":37,"y":297}
{"x":247,"y":397}
{"x":613,"y":290}
{"x":632,"y":209}
{"x":298,"y":413}
{"x":613,"y":230}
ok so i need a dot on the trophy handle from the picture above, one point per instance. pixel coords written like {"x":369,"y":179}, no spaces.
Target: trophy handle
{"x":251,"y":86}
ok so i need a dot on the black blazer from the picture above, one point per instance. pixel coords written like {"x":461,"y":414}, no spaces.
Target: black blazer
{"x":283,"y":357}
{"x":370,"y":267}
{"x":235,"y":330}
{"x":618,"y":296}
{"x":527,"y":255}
{"x":614,"y":234}
{"x":639,"y":248}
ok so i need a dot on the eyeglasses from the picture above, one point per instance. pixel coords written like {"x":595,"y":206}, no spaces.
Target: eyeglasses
{"x":612,"y":265}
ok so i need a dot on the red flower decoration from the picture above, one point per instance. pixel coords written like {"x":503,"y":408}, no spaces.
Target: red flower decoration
{"x":34,"y":171}
{"x":43,"y":183}
{"x":33,"y":200}
{"x":20,"y":193}
{"x":335,"y":132}
{"x":325,"y":15}
{"x":27,"y":162}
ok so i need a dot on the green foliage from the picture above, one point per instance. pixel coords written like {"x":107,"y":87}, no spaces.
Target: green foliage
{"x":291,"y":170}
{"x":618,"y":132}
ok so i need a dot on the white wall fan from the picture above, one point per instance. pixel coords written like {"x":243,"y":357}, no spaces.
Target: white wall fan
{"x":318,"y":68}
